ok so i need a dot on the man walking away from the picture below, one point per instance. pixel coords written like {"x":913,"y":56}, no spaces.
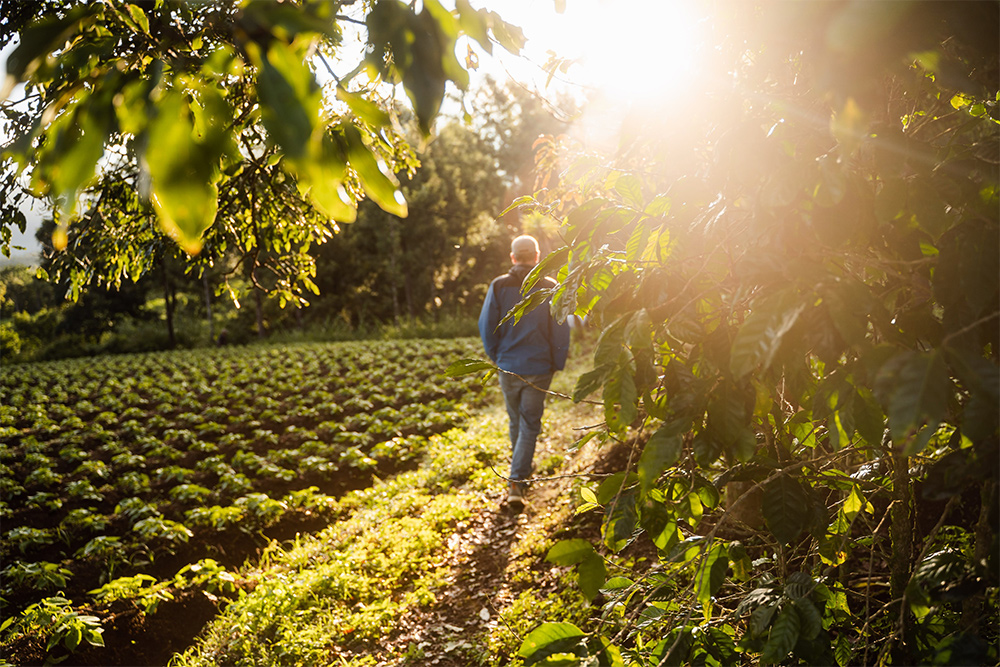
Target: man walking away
{"x":528,"y":355}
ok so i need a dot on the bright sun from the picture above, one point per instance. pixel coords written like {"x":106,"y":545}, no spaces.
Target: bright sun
{"x":625,"y":49}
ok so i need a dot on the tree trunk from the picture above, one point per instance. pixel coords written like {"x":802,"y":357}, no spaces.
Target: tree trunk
{"x":168,"y":301}
{"x":408,"y":293}
{"x":393,"y":271}
{"x":901,"y":529}
{"x":259,"y":303}
{"x":972,"y":608}
{"x":208,"y":306}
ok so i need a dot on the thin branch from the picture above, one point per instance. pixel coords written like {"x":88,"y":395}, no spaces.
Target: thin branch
{"x":549,"y":391}
{"x":970,"y":327}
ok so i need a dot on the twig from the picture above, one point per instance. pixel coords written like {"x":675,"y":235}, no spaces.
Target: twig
{"x":549,"y":391}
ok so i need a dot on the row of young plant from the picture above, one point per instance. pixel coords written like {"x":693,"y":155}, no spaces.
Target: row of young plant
{"x":107,"y":465}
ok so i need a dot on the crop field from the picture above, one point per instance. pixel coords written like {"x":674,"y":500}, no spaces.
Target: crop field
{"x":150,"y":473}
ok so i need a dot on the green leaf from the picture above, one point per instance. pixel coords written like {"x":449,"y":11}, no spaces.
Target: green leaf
{"x":659,"y":524}
{"x":783,"y":636}
{"x":592,"y":575}
{"x":740,"y":561}
{"x":661,"y":452}
{"x":638,"y":241}
{"x":377,"y":185}
{"x":79,"y":145}
{"x":712,"y":573}
{"x":760,"y":618}
{"x":673,"y":651}
{"x":628,"y":396}
{"x":570,"y":552}
{"x":799,"y":585}
{"x":617,"y":483}
{"x":809,"y":617}
{"x":474,"y":24}
{"x":364,"y":109}
{"x":522,"y":201}
{"x":139,"y":17}
{"x":183,"y":173}
{"x":322,"y":180}
{"x":659,"y":206}
{"x":758,"y":340}
{"x":290,"y":99}
{"x":73,"y":637}
{"x":620,"y":522}
{"x":590,"y":382}
{"x":40,"y":39}
{"x":728,"y":422}
{"x":467,"y":366}
{"x":630,"y":189}
{"x":868,"y":417}
{"x":551,"y":261}
{"x":843,"y":651}
{"x":548,"y":639}
{"x":785,"y":506}
{"x":921,"y":395}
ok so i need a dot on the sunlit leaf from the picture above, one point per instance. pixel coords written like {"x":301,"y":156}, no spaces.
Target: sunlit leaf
{"x":712,"y":573}
{"x":183,"y":173}
{"x":364,"y":109}
{"x":376,"y":184}
{"x":467,"y":366}
{"x":569,"y":552}
{"x":548,"y":639}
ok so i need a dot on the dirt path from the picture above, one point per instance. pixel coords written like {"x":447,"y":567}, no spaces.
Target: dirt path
{"x":487,"y":553}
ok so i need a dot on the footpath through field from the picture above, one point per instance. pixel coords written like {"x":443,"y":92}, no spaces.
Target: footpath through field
{"x":426,"y":567}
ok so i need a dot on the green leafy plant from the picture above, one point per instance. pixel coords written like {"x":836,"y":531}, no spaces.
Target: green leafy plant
{"x":54,"y":618}
{"x":41,"y":575}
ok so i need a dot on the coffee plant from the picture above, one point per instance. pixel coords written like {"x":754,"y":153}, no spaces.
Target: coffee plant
{"x":797,"y":297}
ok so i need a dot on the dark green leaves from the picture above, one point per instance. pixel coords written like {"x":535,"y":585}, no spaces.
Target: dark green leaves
{"x":758,"y":340}
{"x":786,"y":508}
{"x":783,"y":636}
{"x":661,"y":452}
{"x":290,"y":100}
{"x":920,"y":396}
{"x":420,"y":49}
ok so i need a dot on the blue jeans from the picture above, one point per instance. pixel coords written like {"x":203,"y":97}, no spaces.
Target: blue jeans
{"x":525,"y":405}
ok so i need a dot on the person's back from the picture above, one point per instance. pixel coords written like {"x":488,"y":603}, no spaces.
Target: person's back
{"x":528,"y":353}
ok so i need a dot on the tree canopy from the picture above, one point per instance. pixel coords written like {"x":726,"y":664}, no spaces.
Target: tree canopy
{"x":211,"y":119}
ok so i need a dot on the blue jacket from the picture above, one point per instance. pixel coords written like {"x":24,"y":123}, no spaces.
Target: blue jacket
{"x":537,"y":344}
